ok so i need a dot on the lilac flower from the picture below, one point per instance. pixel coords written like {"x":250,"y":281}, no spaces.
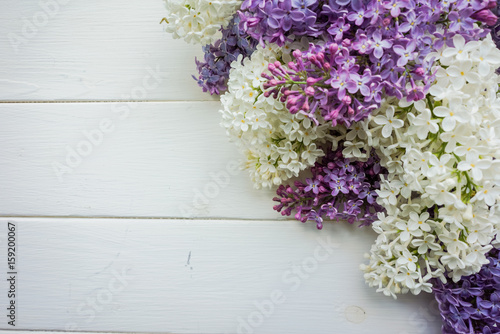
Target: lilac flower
{"x":374,"y":12}
{"x":405,"y":53}
{"x":342,"y":181}
{"x":471,"y":305}
{"x":342,"y":82}
{"x":379,"y":44}
{"x":460,"y":20}
{"x":353,"y":206}
{"x":287,"y":15}
{"x":467,"y":290}
{"x":330,"y":210}
{"x":312,"y":185}
{"x":492,"y":305}
{"x":412,"y":24}
{"x":273,"y":21}
{"x":345,"y":79}
{"x":362,"y":44}
{"x":363,"y":82}
{"x":443,"y":39}
{"x":356,"y":177}
{"x":367,"y":193}
{"x":357,"y":17}
{"x":395,"y":7}
{"x":338,"y":29}
{"x":341,"y":103}
{"x":214,"y":70}
{"x":346,"y":61}
{"x":391,"y":72}
{"x":415,"y":92}
{"x":345,"y":166}
{"x":303,"y":6}
{"x":340,"y":187}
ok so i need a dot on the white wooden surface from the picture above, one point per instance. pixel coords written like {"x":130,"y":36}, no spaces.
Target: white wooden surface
{"x":169,"y":159}
{"x":199,"y":276}
{"x":158,"y":199}
{"x":91,"y":50}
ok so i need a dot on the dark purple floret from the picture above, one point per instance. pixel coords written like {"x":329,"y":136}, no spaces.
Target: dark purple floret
{"x":495,"y":27}
{"x":214,"y":69}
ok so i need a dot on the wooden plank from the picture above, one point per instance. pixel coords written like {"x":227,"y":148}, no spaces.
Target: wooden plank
{"x":123,"y":160}
{"x":92,"y":50}
{"x":200,"y":276}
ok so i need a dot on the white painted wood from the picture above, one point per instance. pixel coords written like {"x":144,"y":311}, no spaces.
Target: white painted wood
{"x":160,"y":160}
{"x":201,"y":277}
{"x":91,"y":50}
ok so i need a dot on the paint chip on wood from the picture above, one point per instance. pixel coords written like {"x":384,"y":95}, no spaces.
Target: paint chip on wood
{"x":355,"y":314}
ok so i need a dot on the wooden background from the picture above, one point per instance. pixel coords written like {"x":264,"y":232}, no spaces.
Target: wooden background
{"x":131,"y":213}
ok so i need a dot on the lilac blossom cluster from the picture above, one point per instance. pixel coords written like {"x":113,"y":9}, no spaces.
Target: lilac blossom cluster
{"x":214,"y":69}
{"x":334,"y":20}
{"x":274,"y":21}
{"x":339,"y":189}
{"x":373,"y":49}
{"x":326,"y":81}
{"x":472,"y":305}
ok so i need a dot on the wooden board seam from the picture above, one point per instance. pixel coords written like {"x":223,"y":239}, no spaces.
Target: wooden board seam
{"x":158,"y":218}
{"x":104,"y":101}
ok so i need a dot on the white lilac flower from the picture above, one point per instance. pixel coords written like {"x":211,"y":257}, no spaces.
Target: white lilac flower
{"x":198,"y":21}
{"x":423,"y":124}
{"x":489,"y":193}
{"x":454,"y":113}
{"x":445,"y":151}
{"x":461,"y":73}
{"x":278,"y":144}
{"x":426,"y":243}
{"x":388,"y":121}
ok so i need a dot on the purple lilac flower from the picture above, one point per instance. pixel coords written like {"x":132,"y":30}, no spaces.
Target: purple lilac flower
{"x":472,"y":305}
{"x":379,"y":44}
{"x":273,"y":21}
{"x":362,"y":44}
{"x":494,"y":24}
{"x":406,"y":53}
{"x":339,"y":29}
{"x":315,"y":82}
{"x":457,"y":22}
{"x":214,"y":70}
{"x":366,"y":30}
{"x":394,"y":7}
{"x":337,"y":190}
{"x":357,"y":17}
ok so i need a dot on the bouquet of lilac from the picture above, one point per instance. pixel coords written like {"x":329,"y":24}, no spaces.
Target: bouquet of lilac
{"x":377,"y":112}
